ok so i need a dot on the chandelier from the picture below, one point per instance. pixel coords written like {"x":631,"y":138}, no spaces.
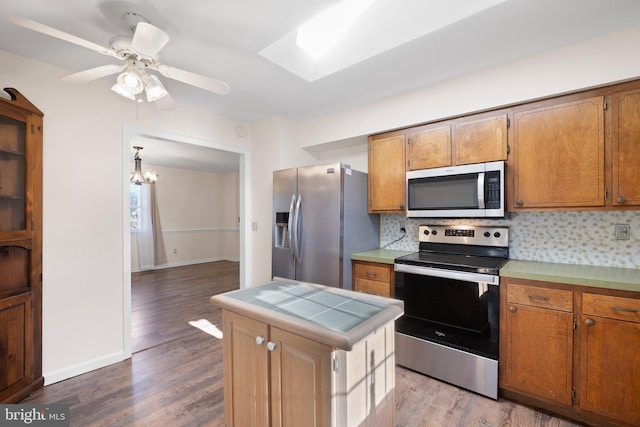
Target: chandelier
{"x":137,"y":177}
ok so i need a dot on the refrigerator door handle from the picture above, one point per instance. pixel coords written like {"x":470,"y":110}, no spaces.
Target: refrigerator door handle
{"x":290,"y":228}
{"x":296,"y":230}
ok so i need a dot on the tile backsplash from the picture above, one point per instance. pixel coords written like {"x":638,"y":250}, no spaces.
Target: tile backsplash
{"x":570,"y":237}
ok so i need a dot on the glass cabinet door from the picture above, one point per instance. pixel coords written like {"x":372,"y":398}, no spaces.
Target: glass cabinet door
{"x":12,"y":174}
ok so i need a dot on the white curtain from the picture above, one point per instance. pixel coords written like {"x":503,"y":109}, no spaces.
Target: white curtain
{"x":151,"y":251}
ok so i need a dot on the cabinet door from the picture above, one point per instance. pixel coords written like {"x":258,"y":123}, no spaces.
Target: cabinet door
{"x":558,"y":155}
{"x":611,"y":368}
{"x":301,"y":381}
{"x":246,"y":371}
{"x":386,"y":174}
{"x":16,"y":343}
{"x":429,"y":148}
{"x":539,"y":352}
{"x":626,"y":148}
{"x":13,"y":168}
{"x":483,"y":140}
{"x":373,"y":278}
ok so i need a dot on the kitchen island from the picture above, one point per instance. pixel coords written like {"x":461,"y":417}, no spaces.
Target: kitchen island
{"x":298,"y":353}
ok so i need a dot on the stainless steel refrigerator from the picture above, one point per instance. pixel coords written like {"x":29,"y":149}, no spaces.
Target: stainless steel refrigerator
{"x":319,"y":219}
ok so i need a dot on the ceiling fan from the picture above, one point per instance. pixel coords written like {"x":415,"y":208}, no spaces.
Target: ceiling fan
{"x":139,"y":54}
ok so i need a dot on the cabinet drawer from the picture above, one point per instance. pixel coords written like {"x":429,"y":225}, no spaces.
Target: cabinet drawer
{"x":372,"y":272}
{"x":375,"y":287}
{"x":540,"y":297}
{"x":612,"y":307}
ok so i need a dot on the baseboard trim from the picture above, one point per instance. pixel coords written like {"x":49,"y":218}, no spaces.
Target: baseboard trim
{"x":83,"y":368}
{"x":180,"y":264}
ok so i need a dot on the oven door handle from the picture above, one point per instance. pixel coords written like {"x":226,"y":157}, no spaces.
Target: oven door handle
{"x":448,"y":274}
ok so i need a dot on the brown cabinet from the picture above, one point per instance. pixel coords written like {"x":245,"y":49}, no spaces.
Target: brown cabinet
{"x":386,"y":176}
{"x":20,"y":247}
{"x":373,"y":278}
{"x":571,"y":349}
{"x":558,"y":155}
{"x":457,"y":142}
{"x":274,"y":377}
{"x":610,"y":366}
{"x":539,"y":318}
{"x":478,"y":140}
{"x":625,"y":111}
{"x":429,"y":147}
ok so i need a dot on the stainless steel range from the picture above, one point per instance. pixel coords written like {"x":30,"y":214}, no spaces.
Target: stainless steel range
{"x":451,"y":301}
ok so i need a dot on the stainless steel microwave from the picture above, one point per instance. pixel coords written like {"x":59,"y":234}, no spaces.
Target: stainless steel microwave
{"x":467,"y":191}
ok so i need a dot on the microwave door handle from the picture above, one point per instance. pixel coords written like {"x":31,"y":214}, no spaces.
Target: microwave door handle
{"x":481,"y":190}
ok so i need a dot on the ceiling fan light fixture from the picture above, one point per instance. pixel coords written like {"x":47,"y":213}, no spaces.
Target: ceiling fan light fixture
{"x":153,"y":87}
{"x":130,"y":81}
{"x":118,"y":89}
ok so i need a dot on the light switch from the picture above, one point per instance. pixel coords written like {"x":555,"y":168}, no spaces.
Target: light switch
{"x":254,"y":226}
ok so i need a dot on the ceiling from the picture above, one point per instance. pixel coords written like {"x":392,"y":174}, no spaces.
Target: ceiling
{"x":223,"y":39}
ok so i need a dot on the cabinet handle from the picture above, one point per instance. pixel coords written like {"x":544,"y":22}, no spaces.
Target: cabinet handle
{"x":621,"y":199}
{"x":628,"y":310}
{"x":589,"y":322}
{"x":513,"y":309}
{"x":371,"y":274}
{"x":271,"y":346}
{"x":259,"y":340}
{"x":539,"y":297}
{"x":519,"y":202}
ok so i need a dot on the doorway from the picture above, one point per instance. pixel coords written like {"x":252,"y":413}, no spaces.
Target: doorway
{"x":165,"y":144}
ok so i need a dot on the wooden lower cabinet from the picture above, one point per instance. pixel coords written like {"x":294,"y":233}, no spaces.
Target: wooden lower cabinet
{"x":274,"y":377}
{"x":373,"y":278}
{"x":571,"y":349}
{"x":610,"y":371}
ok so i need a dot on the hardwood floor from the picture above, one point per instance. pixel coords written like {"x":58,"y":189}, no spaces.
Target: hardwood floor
{"x":175,"y":376}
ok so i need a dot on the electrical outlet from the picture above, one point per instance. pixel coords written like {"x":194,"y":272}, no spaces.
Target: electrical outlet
{"x":403,"y":229}
{"x":623,"y":231}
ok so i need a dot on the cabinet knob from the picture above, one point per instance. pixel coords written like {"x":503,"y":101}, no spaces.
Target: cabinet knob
{"x":271,"y":346}
{"x":621,"y":199}
{"x":519,"y":202}
{"x":513,"y":309}
{"x":589,"y":322}
{"x":259,"y":340}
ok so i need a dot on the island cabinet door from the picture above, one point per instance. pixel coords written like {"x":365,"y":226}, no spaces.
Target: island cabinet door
{"x":301,"y":381}
{"x":246,"y":371}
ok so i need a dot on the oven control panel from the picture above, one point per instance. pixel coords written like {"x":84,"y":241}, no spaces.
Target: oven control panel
{"x":464,"y":234}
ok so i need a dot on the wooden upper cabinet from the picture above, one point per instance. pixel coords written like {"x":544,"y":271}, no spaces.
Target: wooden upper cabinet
{"x":429,"y":148}
{"x":387,"y":173}
{"x":626,"y":148}
{"x":558,"y":155}
{"x":483,"y":140}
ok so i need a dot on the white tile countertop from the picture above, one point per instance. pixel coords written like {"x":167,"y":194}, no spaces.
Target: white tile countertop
{"x":332,"y":316}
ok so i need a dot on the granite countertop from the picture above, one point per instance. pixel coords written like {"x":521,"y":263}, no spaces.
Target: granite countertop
{"x":384,"y":256}
{"x":626,"y":279}
{"x":332,"y":316}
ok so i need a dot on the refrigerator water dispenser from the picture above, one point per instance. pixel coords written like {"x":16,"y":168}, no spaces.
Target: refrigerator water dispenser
{"x":281,"y":232}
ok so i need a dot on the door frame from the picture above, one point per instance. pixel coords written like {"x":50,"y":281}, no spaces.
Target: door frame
{"x":128,"y":134}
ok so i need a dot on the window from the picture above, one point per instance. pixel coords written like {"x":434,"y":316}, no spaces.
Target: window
{"x":135,"y":206}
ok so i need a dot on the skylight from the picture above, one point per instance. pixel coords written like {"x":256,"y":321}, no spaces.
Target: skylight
{"x":355,"y":30}
{"x":322,"y":32}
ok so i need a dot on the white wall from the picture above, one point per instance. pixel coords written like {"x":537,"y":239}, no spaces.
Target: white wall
{"x":199,"y":214}
{"x":84,"y":224}
{"x":83,"y":227}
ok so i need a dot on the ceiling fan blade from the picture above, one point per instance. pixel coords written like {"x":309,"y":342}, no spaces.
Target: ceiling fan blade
{"x":44,"y":29}
{"x":206,"y":83}
{"x":94,"y":73}
{"x":148,"y":39}
{"x":165,"y":103}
